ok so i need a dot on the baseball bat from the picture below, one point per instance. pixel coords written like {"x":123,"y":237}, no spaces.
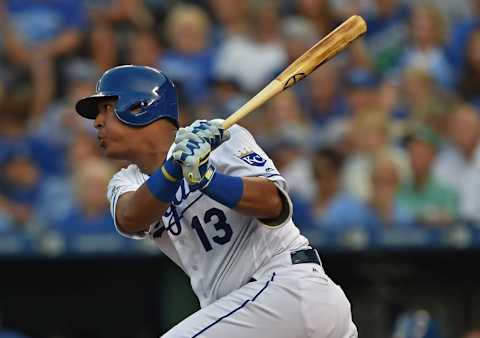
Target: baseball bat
{"x":321,"y":52}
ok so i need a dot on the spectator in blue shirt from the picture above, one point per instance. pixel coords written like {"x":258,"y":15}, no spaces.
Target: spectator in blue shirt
{"x":426,"y":49}
{"x":361,"y":90}
{"x":15,"y":136}
{"x":387,"y":33}
{"x":326,"y":102}
{"x":333,"y":209}
{"x":460,"y":35}
{"x":384,"y":208}
{"x":189,"y":60}
{"x":416,"y":323}
{"x":19,"y":188}
{"x":89,"y":213}
{"x":37,"y":35}
{"x":51,"y":26}
{"x":57,"y":198}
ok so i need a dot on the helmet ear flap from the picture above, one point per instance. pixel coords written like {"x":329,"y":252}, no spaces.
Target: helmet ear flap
{"x":137,"y":107}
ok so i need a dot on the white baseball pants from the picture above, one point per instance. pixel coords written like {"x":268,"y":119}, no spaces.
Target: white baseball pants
{"x":297,"y":301}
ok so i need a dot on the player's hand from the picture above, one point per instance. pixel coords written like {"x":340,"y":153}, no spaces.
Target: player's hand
{"x":193,"y":152}
{"x":212,"y":131}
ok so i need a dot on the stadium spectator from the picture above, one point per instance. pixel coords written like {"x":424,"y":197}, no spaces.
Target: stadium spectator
{"x":146,"y":41}
{"x":14,"y":134}
{"x":291,"y":158}
{"x":327,"y":106}
{"x":426,"y":47}
{"x":424,"y":102}
{"x":361,"y":90}
{"x":347,"y":8}
{"x":460,"y":35}
{"x":458,"y":163}
{"x":224,"y":97}
{"x":384,"y":207}
{"x":89,"y":213}
{"x":418,"y":89}
{"x":57,"y":194}
{"x":319,"y":12}
{"x":230,"y":19}
{"x":6,"y":221}
{"x":284,"y":130}
{"x":390,"y":101}
{"x":253,"y":58}
{"x":103,"y":45}
{"x":469,"y":82}
{"x":432,"y":202}
{"x":298,"y":35}
{"x":189,"y":59}
{"x":38,"y":36}
{"x":110,"y":22}
{"x":81,"y":77}
{"x":50,"y":28}
{"x":370,"y":135}
{"x":20,"y":185}
{"x":334,"y":208}
{"x":416,"y":323}
{"x":133,"y":12}
{"x":387,"y":33}
{"x":283,"y":113}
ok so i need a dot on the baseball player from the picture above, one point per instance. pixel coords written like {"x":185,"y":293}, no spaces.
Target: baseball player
{"x":215,"y":204}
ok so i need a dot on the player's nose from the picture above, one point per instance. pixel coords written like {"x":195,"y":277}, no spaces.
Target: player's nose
{"x":99,"y":121}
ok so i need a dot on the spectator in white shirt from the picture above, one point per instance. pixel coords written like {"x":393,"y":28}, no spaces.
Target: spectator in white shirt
{"x":251,"y":60}
{"x":459,"y":162}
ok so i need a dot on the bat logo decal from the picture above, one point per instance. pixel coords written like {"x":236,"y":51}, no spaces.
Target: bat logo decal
{"x":294,"y":79}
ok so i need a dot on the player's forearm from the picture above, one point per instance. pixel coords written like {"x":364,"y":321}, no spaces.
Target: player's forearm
{"x":135,"y":211}
{"x":260,"y":198}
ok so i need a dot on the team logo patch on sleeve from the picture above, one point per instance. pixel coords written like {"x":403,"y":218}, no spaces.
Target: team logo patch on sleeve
{"x":252,"y":158}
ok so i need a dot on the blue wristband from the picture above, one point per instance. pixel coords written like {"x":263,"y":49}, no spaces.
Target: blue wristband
{"x":164,"y":183}
{"x":173,"y":168}
{"x":225,"y":189}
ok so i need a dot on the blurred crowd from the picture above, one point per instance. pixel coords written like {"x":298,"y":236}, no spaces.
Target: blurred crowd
{"x":385,"y":135}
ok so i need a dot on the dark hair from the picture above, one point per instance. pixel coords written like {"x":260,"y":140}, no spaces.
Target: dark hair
{"x":334,"y":158}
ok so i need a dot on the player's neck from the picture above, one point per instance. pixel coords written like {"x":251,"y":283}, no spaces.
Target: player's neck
{"x":150,"y":148}
{"x":150,"y":158}
{"x":148,"y":163}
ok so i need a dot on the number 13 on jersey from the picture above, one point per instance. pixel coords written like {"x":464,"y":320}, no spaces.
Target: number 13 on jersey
{"x":216,"y":218}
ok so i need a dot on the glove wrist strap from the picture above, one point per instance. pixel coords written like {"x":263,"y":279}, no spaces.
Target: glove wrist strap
{"x":224,"y":189}
{"x":164,"y":183}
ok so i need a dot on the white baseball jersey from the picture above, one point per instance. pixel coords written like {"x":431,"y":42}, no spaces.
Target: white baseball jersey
{"x":219,"y":248}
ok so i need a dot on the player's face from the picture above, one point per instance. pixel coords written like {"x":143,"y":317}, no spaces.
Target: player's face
{"x":123,"y":142}
{"x":116,"y":139}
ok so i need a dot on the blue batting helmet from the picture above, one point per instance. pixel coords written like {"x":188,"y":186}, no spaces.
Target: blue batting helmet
{"x":143,"y":95}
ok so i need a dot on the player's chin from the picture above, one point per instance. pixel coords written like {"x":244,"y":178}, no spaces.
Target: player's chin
{"x":111,"y":151}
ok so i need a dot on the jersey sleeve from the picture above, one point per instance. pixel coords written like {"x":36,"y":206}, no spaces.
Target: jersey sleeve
{"x":127,"y":179}
{"x":242,"y":156}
